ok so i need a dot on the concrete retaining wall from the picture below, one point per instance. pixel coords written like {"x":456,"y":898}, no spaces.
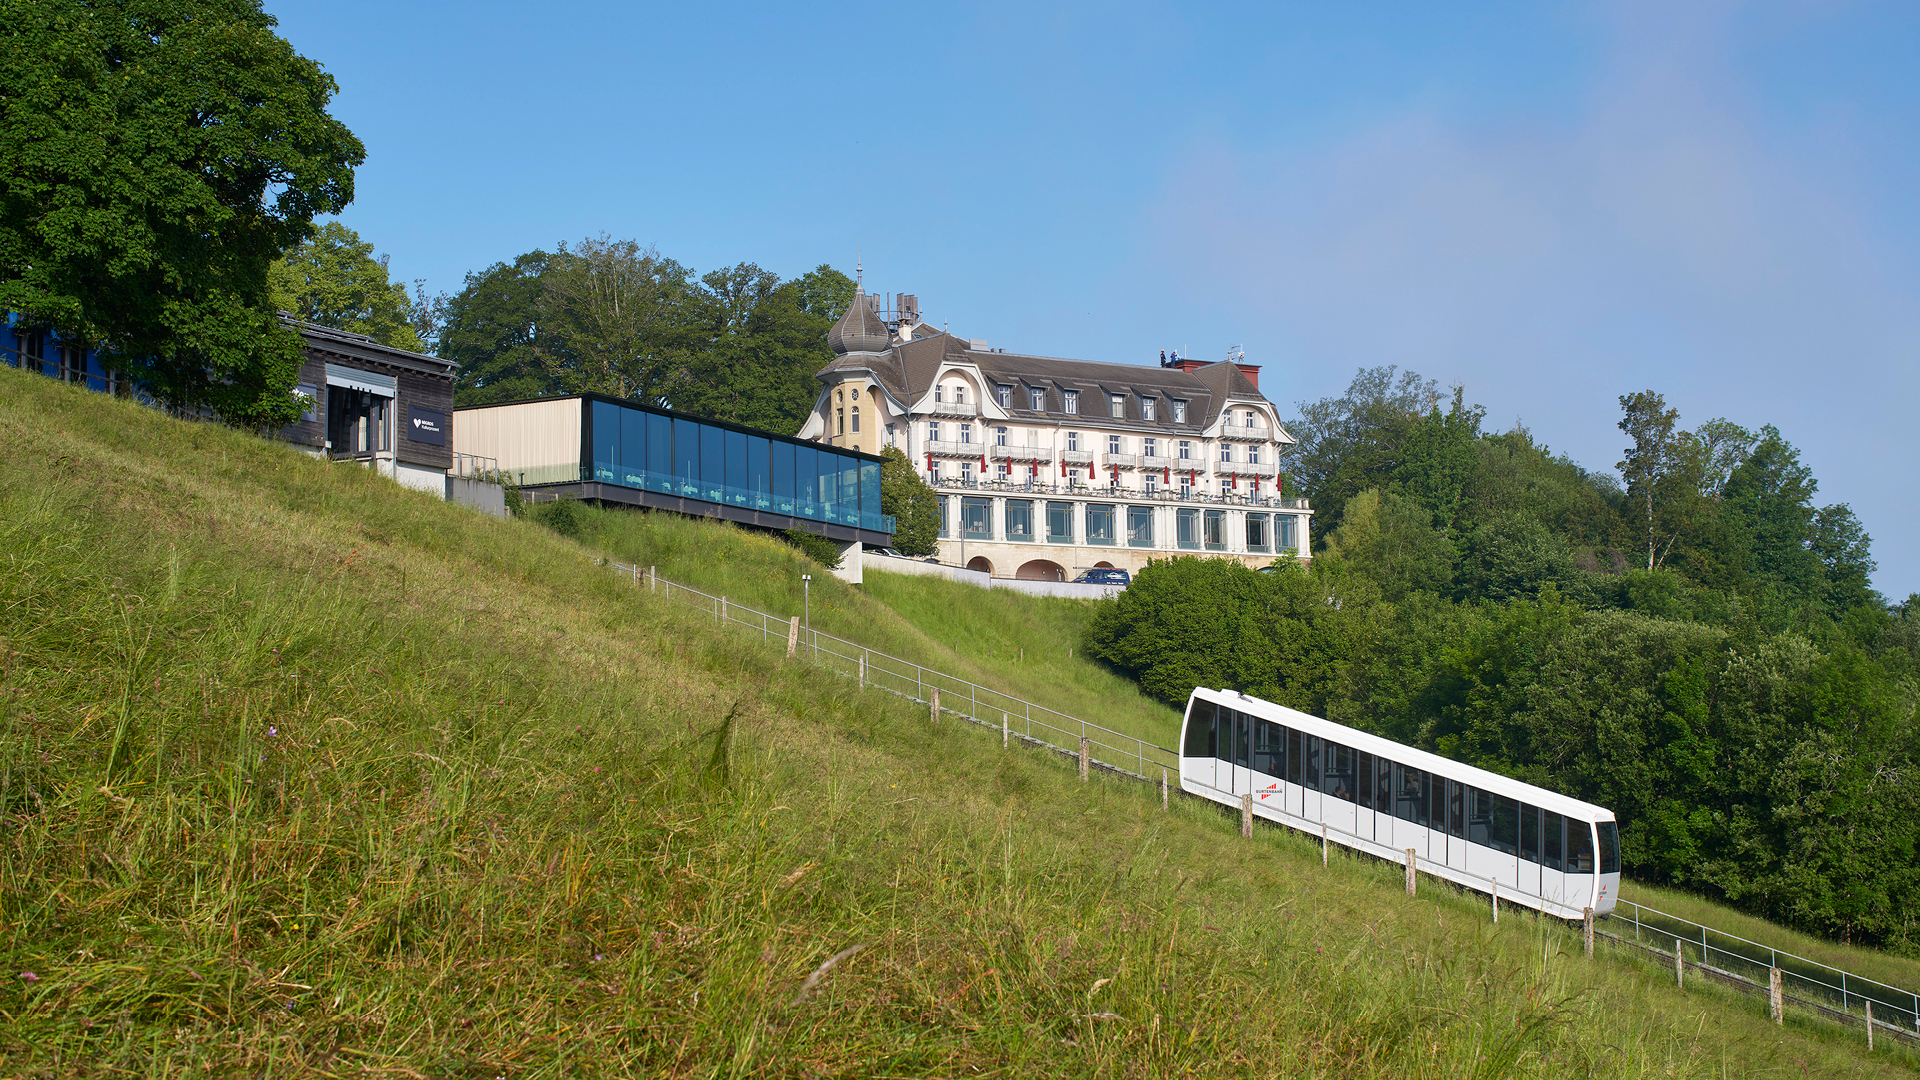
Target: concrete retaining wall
{"x":916,"y":568}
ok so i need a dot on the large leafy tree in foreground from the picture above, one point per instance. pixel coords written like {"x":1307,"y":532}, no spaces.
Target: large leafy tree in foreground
{"x":156,"y":156}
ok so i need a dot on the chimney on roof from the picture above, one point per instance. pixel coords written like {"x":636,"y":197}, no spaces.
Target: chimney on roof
{"x":1188,"y":363}
{"x":909,"y":309}
{"x":1252,"y":372}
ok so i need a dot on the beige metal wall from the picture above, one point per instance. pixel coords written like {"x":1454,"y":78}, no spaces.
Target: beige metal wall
{"x":529,"y":435}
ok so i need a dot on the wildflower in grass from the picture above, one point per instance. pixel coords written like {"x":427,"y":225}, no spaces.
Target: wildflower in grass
{"x":28,"y":976}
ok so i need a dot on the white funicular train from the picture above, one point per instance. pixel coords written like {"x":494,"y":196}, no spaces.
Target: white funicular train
{"x":1532,"y":846}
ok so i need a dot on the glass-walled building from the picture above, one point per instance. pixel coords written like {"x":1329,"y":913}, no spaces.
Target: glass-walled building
{"x":595,"y":447}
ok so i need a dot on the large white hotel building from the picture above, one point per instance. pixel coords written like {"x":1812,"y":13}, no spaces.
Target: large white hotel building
{"x":1046,"y":467}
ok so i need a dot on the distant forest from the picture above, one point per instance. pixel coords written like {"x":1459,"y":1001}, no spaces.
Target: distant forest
{"x":1699,"y":650}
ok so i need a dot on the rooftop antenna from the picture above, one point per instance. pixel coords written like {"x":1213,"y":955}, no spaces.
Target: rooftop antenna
{"x":1236,"y":353}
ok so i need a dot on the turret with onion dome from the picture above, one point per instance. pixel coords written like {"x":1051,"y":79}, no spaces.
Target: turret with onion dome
{"x":860,"y":330}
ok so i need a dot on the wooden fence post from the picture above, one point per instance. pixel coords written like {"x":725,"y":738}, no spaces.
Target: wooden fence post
{"x":793,"y":636}
{"x":1775,"y":997}
{"x":1246,"y":817}
{"x":1586,"y":918}
{"x":1323,"y":844}
{"x":1006,"y":729}
{"x":1493,"y":889}
{"x":720,"y":613}
{"x":936,"y":705}
{"x":1412,"y":876}
{"x":1084,"y":747}
{"x":1869,"y":1027}
{"x":653,"y":579}
{"x":1163,"y":789}
{"x":863,"y":670}
{"x":1679,"y":966}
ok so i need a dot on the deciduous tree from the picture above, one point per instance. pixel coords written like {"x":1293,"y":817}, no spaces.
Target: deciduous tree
{"x":334,"y":279}
{"x":156,"y":156}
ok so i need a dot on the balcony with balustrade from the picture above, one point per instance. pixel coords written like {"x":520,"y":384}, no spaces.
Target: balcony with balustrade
{"x":953,"y":408}
{"x":1244,"y":433}
{"x":955,"y":449}
{"x":1246,"y":468}
{"x":1119,"y":461}
{"x":1077,"y":457}
{"x":1028,"y":487}
{"x":1020,"y":453}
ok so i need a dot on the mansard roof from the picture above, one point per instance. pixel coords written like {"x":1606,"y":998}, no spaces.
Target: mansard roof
{"x":909,"y":368}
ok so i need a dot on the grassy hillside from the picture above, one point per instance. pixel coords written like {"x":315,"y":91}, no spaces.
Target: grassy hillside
{"x":307,"y":774}
{"x":1027,"y":645}
{"x":1024,"y":645}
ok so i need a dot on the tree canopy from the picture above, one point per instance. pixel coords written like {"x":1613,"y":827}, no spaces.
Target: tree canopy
{"x":333,"y":278}
{"x":156,"y":156}
{"x":737,"y":343}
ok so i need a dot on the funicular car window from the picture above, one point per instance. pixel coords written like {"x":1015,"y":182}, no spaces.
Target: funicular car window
{"x":1339,"y":778}
{"x":1269,"y":748}
{"x":1609,"y":848}
{"x":1579,"y":847}
{"x":1312,"y":778}
{"x":1529,"y":832}
{"x":1505,"y":833}
{"x":1383,"y":786}
{"x":1363,"y":778}
{"x":1200,"y":729}
{"x":1456,"y":811}
{"x":1296,"y":755}
{"x":1411,"y":805}
{"x":1552,"y":842}
{"x":1479,"y":816}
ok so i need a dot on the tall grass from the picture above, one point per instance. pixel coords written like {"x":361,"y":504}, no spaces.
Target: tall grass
{"x":305,"y":774}
{"x":1022,"y":645}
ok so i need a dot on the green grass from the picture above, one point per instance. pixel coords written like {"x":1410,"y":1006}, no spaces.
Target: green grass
{"x":1022,"y":645}
{"x":308,"y":775}
{"x":1898,"y":971}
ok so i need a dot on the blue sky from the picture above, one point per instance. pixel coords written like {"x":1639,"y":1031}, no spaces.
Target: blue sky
{"x":1551,"y":204}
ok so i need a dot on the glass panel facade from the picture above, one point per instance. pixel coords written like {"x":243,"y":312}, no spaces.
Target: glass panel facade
{"x":976,"y":518}
{"x":1099,"y":523}
{"x":1286,"y":526}
{"x":1059,"y":523}
{"x":1256,"y":532}
{"x":1215,"y":523}
{"x":1187,"y":528}
{"x":1019,"y":519}
{"x":674,"y":455}
{"x":1140,"y":526}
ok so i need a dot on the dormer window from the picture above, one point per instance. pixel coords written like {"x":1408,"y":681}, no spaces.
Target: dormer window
{"x":1037,"y":399}
{"x":1179,"y":411}
{"x":1070,"y":401}
{"x":1116,"y":405}
{"x":1006,"y":396}
{"x":1146,"y":408}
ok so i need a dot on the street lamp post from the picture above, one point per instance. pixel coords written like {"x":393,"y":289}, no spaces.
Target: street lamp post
{"x":806,"y":603}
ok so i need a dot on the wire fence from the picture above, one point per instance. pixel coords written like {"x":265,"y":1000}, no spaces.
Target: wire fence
{"x":950,"y":695}
{"x":1748,"y":966}
{"x":1728,"y":959}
